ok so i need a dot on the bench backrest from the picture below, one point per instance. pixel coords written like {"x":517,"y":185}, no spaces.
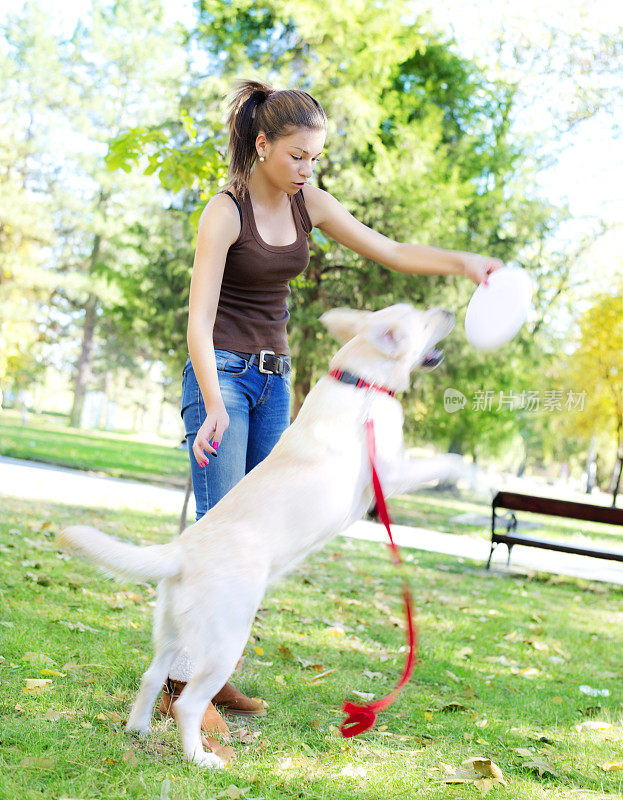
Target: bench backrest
{"x":557,"y":508}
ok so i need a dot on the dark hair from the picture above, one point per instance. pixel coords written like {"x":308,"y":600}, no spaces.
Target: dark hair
{"x":255,"y":107}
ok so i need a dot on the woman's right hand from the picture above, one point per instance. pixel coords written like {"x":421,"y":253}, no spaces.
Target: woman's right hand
{"x":214,"y":425}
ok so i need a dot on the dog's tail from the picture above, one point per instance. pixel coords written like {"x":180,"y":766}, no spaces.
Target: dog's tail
{"x":156,"y":561}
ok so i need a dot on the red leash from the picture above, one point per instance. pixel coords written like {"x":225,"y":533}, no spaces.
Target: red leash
{"x":362,"y":718}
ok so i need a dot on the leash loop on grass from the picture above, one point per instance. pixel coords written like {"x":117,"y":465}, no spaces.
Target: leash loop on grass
{"x":362,"y":718}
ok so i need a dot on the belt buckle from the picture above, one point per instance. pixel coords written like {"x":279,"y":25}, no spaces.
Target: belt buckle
{"x":261,"y":366}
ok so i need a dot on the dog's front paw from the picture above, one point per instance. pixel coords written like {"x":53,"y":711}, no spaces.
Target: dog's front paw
{"x":138,"y":729}
{"x":206,"y":760}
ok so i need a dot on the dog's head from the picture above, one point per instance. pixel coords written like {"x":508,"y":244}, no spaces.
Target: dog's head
{"x":401,"y":334}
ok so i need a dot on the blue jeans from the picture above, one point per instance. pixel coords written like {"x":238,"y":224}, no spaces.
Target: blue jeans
{"x":259,"y":412}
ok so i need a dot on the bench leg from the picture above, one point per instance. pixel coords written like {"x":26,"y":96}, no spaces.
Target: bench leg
{"x":508,"y":560}
{"x":490,"y":554}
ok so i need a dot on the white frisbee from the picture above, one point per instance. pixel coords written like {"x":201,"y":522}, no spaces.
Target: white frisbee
{"x":496,"y":312}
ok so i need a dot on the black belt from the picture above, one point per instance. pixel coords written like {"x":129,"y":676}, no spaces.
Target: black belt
{"x":267,"y":362}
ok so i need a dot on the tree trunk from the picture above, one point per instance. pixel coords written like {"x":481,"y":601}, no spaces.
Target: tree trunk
{"x":615,"y":491}
{"x":83,"y":372}
{"x":303,"y":378}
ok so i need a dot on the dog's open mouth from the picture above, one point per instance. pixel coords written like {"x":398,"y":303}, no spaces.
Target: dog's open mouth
{"x":432,"y":359}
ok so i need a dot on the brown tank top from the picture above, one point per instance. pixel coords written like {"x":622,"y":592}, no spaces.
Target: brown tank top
{"x":252,"y":312}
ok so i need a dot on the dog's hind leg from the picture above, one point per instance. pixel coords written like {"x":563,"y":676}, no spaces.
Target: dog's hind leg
{"x":215,"y":636}
{"x":189,"y":708}
{"x":166,"y":646}
{"x":151,"y":683}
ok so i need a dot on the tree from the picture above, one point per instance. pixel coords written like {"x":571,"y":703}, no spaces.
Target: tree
{"x":418,"y":147}
{"x":597,"y":365}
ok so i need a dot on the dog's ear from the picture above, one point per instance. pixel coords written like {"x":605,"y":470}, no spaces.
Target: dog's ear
{"x":344,"y":323}
{"x":388,"y":336}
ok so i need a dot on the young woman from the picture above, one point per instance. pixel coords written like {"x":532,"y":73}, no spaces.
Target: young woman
{"x":252,"y":240}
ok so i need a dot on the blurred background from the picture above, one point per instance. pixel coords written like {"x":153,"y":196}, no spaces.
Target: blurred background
{"x":493,"y":129}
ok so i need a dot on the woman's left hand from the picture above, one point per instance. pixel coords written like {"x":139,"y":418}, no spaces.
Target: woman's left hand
{"x":477,"y":267}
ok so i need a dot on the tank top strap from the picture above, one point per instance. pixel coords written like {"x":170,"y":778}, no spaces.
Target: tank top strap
{"x":303,"y":213}
{"x":226,"y":191}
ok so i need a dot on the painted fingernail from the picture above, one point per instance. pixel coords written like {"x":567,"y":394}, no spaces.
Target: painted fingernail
{"x":215,"y":445}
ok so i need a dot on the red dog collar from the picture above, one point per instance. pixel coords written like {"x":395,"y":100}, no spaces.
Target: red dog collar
{"x":348,"y":377}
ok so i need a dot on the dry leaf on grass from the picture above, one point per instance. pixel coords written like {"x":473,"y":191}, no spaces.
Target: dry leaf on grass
{"x":482,"y":772}
{"x":593,"y":725}
{"x":453,"y":705}
{"x":37,"y":763}
{"x":244,"y":735}
{"x":611,"y":766}
{"x":34,"y":685}
{"x":41,"y":658}
{"x":129,"y":757}
{"x":354,"y":772}
{"x":322,"y":675}
{"x":541,"y":765}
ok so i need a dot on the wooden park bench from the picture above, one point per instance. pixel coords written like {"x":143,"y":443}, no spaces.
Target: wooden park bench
{"x":513,"y":501}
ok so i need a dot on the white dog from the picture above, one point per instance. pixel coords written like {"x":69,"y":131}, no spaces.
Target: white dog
{"x":316,"y":481}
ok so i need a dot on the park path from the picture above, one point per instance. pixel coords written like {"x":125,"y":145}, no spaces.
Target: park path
{"x":35,"y":481}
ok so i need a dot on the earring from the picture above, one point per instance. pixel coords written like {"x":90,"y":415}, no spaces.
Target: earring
{"x":261,"y":158}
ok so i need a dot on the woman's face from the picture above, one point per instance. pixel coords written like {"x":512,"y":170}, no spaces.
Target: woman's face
{"x":289,"y":161}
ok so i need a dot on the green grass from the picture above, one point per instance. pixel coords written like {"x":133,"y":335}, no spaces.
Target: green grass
{"x":479,"y":633}
{"x":101,"y":452}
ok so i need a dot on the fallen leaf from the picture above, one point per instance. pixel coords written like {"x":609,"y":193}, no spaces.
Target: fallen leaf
{"x":611,"y":766}
{"x":54,"y":673}
{"x":593,"y":725}
{"x":334,"y":632}
{"x":541,"y":765}
{"x":529,"y":672}
{"x":482,"y":772}
{"x":37,"y":763}
{"x":353,"y":772}
{"x":129,"y":757}
{"x":453,"y":706}
{"x":38,"y":657}
{"x":52,"y":716}
{"x":464,"y":652}
{"x":372,"y":675}
{"x":364,"y":695}
{"x":258,"y":651}
{"x":322,"y":675}
{"x":245,"y":735}
{"x":594,"y":692}
{"x":34,"y":685}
